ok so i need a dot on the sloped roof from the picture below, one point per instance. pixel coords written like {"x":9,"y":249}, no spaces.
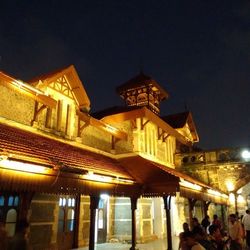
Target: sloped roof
{"x":74,"y":81}
{"x":112,"y":111}
{"x":141,"y":80}
{"x":176,"y":120}
{"x":179,"y":120}
{"x":47,"y":151}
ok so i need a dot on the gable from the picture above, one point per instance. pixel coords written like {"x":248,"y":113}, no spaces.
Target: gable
{"x":67,"y":82}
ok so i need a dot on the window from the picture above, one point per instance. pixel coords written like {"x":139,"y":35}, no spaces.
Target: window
{"x":66,"y":215}
{"x":10,"y":223}
{"x":9,"y":205}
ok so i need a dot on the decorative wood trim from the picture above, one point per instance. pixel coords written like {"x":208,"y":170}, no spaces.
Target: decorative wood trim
{"x":102,"y":125}
{"x":81,"y":128}
{"x":67,"y":119}
{"x":37,"y":111}
{"x":143,"y":124}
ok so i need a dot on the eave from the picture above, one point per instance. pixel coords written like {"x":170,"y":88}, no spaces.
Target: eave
{"x":146,"y":113}
{"x":27,"y":90}
{"x":102,"y":125}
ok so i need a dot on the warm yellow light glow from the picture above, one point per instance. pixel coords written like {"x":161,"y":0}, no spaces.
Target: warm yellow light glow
{"x":110,"y":128}
{"x":21,"y":166}
{"x":108,"y":179}
{"x":21,"y":84}
{"x":230,"y":185}
{"x":239,"y":191}
{"x":188,"y":184}
{"x":240,"y":199}
{"x":216,"y":193}
{"x":232,"y":198}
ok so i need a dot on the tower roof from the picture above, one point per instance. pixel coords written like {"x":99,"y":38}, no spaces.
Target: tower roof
{"x":139,"y":81}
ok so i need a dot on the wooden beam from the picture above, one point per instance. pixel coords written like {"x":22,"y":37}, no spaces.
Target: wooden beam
{"x":102,"y":125}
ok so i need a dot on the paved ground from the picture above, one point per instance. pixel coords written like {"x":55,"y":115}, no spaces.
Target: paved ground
{"x":154,"y":245}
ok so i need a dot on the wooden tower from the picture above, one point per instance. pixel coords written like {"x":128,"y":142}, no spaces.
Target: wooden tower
{"x":142,"y":91}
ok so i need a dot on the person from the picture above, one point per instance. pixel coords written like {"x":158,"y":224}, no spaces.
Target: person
{"x":3,"y":237}
{"x":195,"y":223}
{"x":191,"y":242}
{"x":235,"y":232}
{"x":246,"y":224}
{"x":182,"y":244}
{"x":20,"y":239}
{"x":205,"y":223}
{"x":201,"y":237}
{"x":216,"y":221}
{"x":216,"y":238}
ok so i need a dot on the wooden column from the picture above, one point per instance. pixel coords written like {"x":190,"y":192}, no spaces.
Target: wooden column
{"x":25,"y":204}
{"x":235,"y":202}
{"x":133,"y":210}
{"x":205,"y":207}
{"x":167,"y":206}
{"x":76,"y":221}
{"x":94,"y":201}
{"x":191,"y":203}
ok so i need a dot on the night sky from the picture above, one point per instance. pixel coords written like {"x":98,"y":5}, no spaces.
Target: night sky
{"x":198,"y":50}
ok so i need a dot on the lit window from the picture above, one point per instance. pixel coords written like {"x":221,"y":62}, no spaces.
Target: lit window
{"x":1,"y":201}
{"x":16,"y":201}
{"x":10,"y":201}
{"x":10,"y":224}
{"x":69,"y":202}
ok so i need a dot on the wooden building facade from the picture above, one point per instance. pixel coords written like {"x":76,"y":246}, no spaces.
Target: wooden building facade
{"x":74,"y":174}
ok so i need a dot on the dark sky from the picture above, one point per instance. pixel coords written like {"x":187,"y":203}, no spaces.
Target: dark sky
{"x":198,"y":50}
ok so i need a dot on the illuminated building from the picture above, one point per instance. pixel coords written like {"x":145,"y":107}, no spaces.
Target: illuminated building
{"x":62,"y":166}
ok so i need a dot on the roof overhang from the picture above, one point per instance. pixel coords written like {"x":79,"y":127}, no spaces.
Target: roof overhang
{"x":146,"y":113}
{"x":26,"y":89}
{"x":102,"y":125}
{"x":75,"y":84}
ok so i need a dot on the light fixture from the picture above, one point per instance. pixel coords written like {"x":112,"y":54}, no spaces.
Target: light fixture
{"x":104,"y":178}
{"x":190,"y":185}
{"x":245,"y":154}
{"x":22,"y":166}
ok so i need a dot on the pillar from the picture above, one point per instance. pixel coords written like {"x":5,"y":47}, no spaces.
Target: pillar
{"x":167,"y":206}
{"x":94,"y":201}
{"x":191,"y":203}
{"x":133,"y":215}
{"x":25,"y":203}
{"x":76,"y":221}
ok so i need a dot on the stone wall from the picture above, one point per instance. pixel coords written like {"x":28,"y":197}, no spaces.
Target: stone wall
{"x":15,"y":106}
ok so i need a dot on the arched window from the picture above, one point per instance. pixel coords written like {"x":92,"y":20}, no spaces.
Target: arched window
{"x":10,"y":223}
{"x":16,"y":201}
{"x":11,"y":201}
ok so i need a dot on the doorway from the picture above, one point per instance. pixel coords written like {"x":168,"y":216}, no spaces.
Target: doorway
{"x":102,"y":219}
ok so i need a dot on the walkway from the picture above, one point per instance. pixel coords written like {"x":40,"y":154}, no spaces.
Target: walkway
{"x":154,"y":245}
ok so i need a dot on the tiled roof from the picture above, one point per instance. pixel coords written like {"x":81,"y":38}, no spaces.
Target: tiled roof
{"x":176,"y":120}
{"x":29,"y":146}
{"x":112,"y":111}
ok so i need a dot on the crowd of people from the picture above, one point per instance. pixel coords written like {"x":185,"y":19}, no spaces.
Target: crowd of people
{"x":212,"y":235}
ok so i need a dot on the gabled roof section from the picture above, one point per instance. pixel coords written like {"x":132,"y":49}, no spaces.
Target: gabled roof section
{"x":179,"y":120}
{"x":112,"y":111}
{"x":75,"y":85}
{"x":139,"y":81}
{"x":146,"y":113}
{"x":26,"y":89}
